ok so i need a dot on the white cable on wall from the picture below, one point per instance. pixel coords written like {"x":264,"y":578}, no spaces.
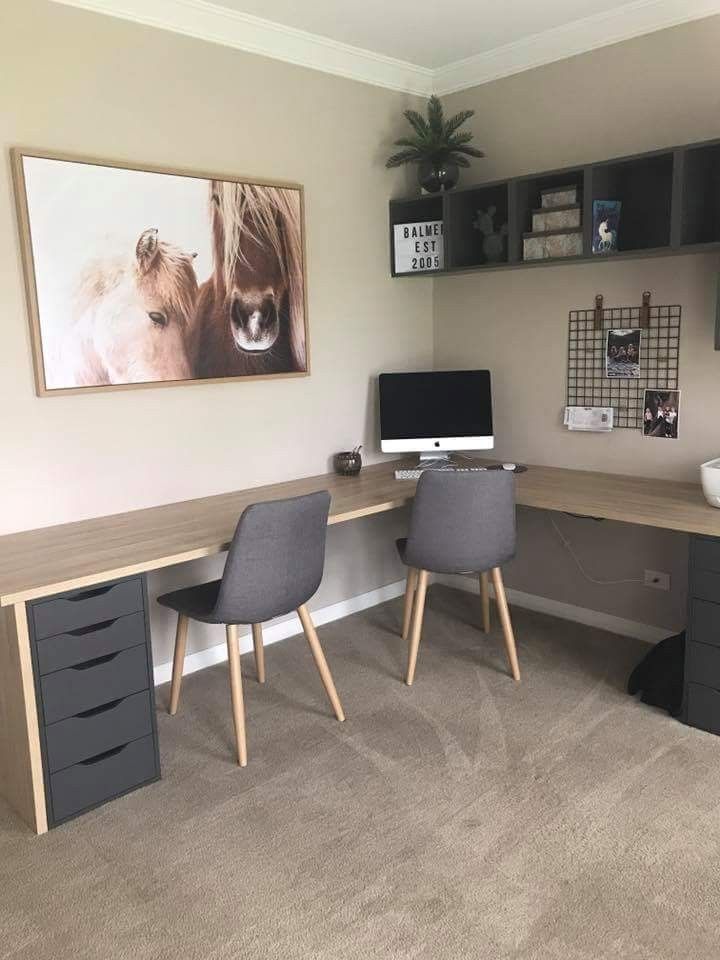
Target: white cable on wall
{"x":569,"y":547}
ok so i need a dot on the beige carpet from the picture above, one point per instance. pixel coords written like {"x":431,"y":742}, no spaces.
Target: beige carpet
{"x":461,"y":818}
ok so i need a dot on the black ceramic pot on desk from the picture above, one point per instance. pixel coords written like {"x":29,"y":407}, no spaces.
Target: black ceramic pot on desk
{"x":347,"y":463}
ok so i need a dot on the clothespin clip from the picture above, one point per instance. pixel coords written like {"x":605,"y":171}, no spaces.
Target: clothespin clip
{"x":599,"y":312}
{"x":645,"y":310}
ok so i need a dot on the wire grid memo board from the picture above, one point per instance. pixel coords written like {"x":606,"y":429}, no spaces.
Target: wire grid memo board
{"x":587,"y":382}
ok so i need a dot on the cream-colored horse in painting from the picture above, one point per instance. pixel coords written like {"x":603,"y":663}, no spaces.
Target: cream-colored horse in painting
{"x":132,"y":318}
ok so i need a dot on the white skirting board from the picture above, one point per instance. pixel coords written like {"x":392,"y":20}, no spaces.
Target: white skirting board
{"x":565,"y":611}
{"x":336,"y":611}
{"x":285,"y":628}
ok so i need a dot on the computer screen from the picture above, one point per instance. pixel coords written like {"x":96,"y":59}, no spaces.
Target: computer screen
{"x":443,"y":410}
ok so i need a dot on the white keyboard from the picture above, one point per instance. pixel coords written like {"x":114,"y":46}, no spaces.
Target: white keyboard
{"x":415,"y":474}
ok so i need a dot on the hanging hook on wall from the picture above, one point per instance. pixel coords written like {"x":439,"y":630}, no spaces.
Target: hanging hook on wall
{"x":645,"y":310}
{"x":599,"y":311}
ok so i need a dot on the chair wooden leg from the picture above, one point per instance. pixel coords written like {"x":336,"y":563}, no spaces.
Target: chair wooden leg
{"x":504,"y":612}
{"x":178,"y":663}
{"x":417,"y":621}
{"x":485,"y":599}
{"x":238,"y":707}
{"x":412,"y":577}
{"x":259,"y":651}
{"x":320,"y":661}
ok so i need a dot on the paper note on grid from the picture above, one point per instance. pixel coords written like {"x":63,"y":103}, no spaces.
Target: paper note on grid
{"x":594,"y":419}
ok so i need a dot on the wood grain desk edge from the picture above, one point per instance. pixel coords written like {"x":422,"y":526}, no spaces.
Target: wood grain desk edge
{"x":575,"y":492}
{"x":20,"y":754}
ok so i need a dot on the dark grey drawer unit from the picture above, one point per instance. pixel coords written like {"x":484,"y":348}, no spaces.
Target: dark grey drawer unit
{"x":91,"y":684}
{"x":705,"y":553}
{"x":83,"y":608}
{"x":87,"y":643}
{"x":95,"y":731}
{"x":705,"y":621}
{"x":703,"y":663}
{"x":96,"y":703}
{"x":705,"y":585}
{"x":703,"y":708}
{"x":702,"y":649}
{"x":101,"y":778}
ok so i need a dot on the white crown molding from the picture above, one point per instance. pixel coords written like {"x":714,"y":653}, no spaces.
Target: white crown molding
{"x":569,"y":40}
{"x":208,"y":21}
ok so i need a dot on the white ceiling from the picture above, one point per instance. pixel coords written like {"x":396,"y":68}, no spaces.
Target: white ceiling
{"x":418,"y":46}
{"x":422,"y":32}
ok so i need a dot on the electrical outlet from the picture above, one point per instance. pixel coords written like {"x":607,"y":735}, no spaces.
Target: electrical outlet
{"x":657,"y":580}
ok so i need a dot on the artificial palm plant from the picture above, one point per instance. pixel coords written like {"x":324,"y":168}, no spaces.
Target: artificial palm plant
{"x":437,"y":145}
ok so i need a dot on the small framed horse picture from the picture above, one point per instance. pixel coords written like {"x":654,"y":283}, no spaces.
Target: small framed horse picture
{"x":154,"y":277}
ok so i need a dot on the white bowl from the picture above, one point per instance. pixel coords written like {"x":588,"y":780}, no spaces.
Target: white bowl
{"x":710,"y":476}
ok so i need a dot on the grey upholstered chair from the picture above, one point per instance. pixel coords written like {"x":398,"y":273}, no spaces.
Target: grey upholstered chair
{"x":461,"y":522}
{"x":275,"y":564}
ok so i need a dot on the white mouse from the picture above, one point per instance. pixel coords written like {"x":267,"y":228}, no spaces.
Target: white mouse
{"x":509,"y":466}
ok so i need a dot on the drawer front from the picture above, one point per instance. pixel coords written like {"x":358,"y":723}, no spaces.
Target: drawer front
{"x":703,"y":664}
{"x":705,"y":584}
{"x":87,"y":607}
{"x":705,"y":622}
{"x":87,"y":643}
{"x":705,"y":553}
{"x":98,"y":730}
{"x":102,"y":777}
{"x":703,"y":708}
{"x":72,"y":691}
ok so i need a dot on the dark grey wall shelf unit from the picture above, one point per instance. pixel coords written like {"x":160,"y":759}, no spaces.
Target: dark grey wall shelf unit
{"x":415,"y":211}
{"x":93,"y":670}
{"x":670,"y":198}
{"x":463,"y":241}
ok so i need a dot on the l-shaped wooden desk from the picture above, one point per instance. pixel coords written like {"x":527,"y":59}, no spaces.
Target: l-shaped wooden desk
{"x":41,"y":563}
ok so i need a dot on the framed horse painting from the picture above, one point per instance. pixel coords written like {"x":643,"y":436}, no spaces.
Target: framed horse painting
{"x":154,"y":277}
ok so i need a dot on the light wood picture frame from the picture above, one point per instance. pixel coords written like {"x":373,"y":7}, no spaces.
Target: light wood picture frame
{"x":146,"y":276}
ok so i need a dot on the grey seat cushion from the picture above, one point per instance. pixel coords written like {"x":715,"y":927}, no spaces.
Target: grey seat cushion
{"x":197,"y":602}
{"x":401,"y":545}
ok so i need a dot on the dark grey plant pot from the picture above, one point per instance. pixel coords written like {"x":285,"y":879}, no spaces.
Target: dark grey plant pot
{"x":435,"y":177}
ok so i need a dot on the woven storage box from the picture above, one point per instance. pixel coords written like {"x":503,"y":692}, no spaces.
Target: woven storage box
{"x":561,"y":218}
{"x":558,"y":197}
{"x":559,"y":243}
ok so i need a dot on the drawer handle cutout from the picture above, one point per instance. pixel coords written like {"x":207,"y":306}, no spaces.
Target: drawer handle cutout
{"x":103,"y":756}
{"x":89,"y":594}
{"x":94,"y":711}
{"x":94,"y":628}
{"x":96,"y":662}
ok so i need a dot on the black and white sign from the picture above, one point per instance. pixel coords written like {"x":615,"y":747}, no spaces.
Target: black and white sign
{"x":419,"y":246}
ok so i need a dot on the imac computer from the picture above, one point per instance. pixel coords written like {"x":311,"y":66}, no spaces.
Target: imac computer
{"x":435,"y":414}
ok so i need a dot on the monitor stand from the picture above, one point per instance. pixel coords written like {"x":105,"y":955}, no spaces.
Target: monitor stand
{"x":438,"y":456}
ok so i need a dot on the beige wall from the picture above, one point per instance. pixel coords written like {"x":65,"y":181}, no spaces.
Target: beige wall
{"x":657,"y":91}
{"x":89,"y":84}
{"x":84,"y":83}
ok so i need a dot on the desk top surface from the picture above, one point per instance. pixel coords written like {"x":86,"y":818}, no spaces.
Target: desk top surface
{"x":40,"y":563}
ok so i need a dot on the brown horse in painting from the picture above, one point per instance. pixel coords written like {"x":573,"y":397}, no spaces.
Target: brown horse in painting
{"x":250,"y":316}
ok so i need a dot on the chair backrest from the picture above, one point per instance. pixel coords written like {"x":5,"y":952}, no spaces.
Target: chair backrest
{"x":462,"y":522}
{"x":276,"y":559}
